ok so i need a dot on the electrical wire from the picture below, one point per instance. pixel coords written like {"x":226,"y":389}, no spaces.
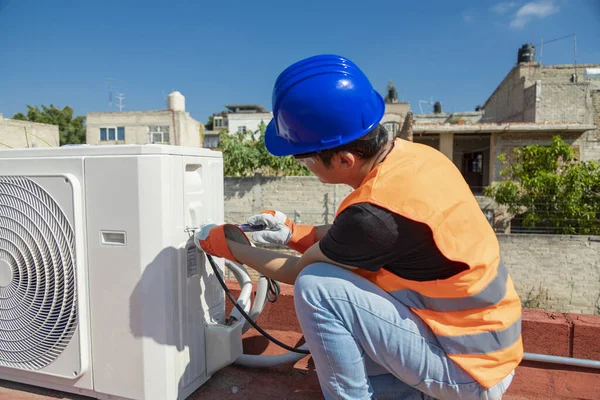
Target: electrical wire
{"x":276,"y":290}
{"x":273,"y":289}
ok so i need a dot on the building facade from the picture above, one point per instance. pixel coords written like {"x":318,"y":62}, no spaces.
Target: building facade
{"x":395,"y":111}
{"x":241,"y":118}
{"x":173,"y":126}
{"x":531,"y":105}
{"x":23,"y":134}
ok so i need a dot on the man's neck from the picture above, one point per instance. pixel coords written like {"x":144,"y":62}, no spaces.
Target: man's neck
{"x":368,"y":166}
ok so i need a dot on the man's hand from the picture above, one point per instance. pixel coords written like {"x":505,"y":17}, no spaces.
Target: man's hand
{"x":212,"y":239}
{"x":278,"y":228}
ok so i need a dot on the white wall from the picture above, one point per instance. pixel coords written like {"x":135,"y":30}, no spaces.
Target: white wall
{"x":250,"y":120}
{"x":22,"y":134}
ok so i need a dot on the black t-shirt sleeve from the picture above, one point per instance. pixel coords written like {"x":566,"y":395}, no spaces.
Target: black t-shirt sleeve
{"x":370,"y":237}
{"x":362,"y":236}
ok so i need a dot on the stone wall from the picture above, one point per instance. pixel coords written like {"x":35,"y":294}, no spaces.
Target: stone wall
{"x":555,"y":273}
{"x":563,"y":102}
{"x":507,"y":103}
{"x":303,"y":199}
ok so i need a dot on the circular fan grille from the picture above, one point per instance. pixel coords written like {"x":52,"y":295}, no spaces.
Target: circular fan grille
{"x":38,"y":300}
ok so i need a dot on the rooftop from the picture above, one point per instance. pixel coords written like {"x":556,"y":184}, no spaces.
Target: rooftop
{"x":246,"y":108}
{"x":549,"y":333}
{"x":490,"y":127}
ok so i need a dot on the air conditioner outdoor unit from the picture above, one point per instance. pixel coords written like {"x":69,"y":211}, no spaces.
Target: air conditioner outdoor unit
{"x":102,"y":290}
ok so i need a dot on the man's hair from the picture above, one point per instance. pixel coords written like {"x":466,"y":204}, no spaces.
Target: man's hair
{"x":366,"y":147}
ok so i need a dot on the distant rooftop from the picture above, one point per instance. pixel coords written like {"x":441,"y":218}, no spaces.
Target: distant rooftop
{"x":502,"y":127}
{"x":246,"y":108}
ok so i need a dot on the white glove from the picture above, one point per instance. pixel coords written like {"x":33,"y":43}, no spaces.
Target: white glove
{"x":201,"y":233}
{"x":278,"y":228}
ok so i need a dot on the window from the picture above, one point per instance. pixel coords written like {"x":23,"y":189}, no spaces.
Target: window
{"x":211,"y":141}
{"x":241,"y":129}
{"x":112,"y":133}
{"x":218,"y":122}
{"x":159,"y":134}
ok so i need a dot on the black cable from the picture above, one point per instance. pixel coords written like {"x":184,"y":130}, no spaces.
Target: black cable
{"x":274,"y":289}
{"x":241,"y":310}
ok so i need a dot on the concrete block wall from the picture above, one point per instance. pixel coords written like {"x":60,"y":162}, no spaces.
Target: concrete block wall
{"x":564,"y":102}
{"x":593,"y":137}
{"x":555,"y":272}
{"x":302,"y":199}
{"x":507,"y":104}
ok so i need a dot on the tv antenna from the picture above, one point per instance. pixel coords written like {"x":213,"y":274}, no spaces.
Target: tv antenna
{"x":429,"y":104}
{"x":110,"y":92}
{"x":556,"y":40}
{"x":120,"y":98}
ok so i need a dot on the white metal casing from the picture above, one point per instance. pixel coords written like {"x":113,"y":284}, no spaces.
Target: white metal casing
{"x":144,"y":293}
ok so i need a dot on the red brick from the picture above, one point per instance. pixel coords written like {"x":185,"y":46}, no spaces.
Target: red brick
{"x":537,"y":381}
{"x":546,"y":333}
{"x":586,"y":332}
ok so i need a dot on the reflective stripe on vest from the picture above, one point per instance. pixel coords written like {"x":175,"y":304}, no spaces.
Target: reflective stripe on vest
{"x":490,"y":295}
{"x":482,"y":343}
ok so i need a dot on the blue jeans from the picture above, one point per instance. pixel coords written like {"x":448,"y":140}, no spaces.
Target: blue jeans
{"x":367,"y":345}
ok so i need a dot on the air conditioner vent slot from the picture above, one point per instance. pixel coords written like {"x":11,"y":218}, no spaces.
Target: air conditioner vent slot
{"x":38,"y":299}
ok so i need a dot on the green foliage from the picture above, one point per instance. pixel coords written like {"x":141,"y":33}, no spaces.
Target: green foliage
{"x":71,"y":130}
{"x":245,"y":154}
{"x":210,"y":123}
{"x":547,"y":189}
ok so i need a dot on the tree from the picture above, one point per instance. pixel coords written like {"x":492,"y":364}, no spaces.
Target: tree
{"x":71,"y":130}
{"x":245,"y":154}
{"x":209,"y":124}
{"x":547,"y":189}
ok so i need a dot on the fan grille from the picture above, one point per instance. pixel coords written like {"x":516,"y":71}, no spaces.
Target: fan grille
{"x":38,"y":299}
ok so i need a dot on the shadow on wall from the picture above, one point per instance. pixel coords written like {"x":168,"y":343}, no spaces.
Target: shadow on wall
{"x":167,"y":277}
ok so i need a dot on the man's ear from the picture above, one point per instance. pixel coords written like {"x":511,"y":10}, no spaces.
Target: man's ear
{"x":346,"y":159}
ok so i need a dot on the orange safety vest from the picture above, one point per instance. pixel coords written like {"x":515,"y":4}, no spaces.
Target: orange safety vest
{"x":476,"y":315}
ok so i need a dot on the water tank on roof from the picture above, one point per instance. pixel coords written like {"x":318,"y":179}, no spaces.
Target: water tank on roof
{"x":437,"y":107}
{"x":588,"y":73}
{"x":176,"y":101}
{"x":526,"y":53}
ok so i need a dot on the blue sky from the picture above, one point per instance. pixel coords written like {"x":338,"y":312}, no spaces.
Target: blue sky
{"x":217,"y":53}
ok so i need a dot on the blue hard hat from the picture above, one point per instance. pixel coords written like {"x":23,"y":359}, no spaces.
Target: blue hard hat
{"x":319,"y":103}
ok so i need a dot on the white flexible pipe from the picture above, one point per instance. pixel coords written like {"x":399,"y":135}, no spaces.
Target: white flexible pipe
{"x":254,"y":361}
{"x":260,"y":299}
{"x":243,"y":279}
